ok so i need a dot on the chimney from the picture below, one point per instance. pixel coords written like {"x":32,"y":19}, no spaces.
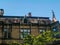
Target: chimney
{"x":29,"y":14}
{"x":1,"y":12}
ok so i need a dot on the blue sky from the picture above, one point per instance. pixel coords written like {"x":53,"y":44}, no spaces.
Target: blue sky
{"x":42,"y":8}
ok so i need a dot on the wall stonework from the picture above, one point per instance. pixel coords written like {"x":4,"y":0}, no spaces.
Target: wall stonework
{"x":16,"y":27}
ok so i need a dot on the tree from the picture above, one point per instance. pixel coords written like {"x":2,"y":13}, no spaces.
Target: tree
{"x":28,"y":40}
{"x":42,"y":39}
{"x":48,"y":36}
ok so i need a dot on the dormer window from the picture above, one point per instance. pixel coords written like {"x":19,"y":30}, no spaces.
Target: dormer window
{"x":25,"y":19}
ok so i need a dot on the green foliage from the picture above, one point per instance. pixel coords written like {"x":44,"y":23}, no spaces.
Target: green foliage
{"x":14,"y":43}
{"x":48,"y":35}
{"x":41,"y":39}
{"x":44,"y":38}
{"x":28,"y":40}
{"x":56,"y":34}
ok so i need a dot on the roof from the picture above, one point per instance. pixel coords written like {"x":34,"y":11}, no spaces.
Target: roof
{"x":23,"y":17}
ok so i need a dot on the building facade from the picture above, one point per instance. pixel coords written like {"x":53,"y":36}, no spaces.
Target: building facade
{"x":15,"y":28}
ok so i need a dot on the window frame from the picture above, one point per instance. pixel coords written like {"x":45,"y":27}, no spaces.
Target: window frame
{"x":25,"y":32}
{"x":43,"y":30}
{"x":54,"y":29}
{"x":7,"y":33}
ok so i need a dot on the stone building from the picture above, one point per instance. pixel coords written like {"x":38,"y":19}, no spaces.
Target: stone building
{"x":15,"y":28}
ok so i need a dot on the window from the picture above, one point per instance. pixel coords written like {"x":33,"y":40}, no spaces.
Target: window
{"x":6,"y":32}
{"x":24,"y":32}
{"x":41,"y":30}
{"x":25,"y":20}
{"x":54,"y":29}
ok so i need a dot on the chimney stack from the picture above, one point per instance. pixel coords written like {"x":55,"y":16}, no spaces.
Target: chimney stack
{"x":29,"y":14}
{"x":1,"y":12}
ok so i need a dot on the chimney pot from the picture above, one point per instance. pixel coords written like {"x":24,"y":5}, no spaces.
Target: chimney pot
{"x":29,"y":14}
{"x":1,"y":12}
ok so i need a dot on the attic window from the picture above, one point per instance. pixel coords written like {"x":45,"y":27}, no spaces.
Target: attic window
{"x":25,"y":20}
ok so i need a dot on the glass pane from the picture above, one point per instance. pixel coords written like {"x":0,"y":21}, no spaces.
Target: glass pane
{"x":28,"y":30}
{"x":25,"y":20}
{"x":5,"y":34}
{"x":54,"y":29}
{"x":21,"y":36}
{"x":21,"y":30}
{"x":9,"y":35}
{"x":25,"y":30}
{"x":41,"y":30}
{"x":25,"y":33}
{"x":28,"y":33}
{"x":5,"y":30}
{"x":22,"y":33}
{"x":24,"y":36}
